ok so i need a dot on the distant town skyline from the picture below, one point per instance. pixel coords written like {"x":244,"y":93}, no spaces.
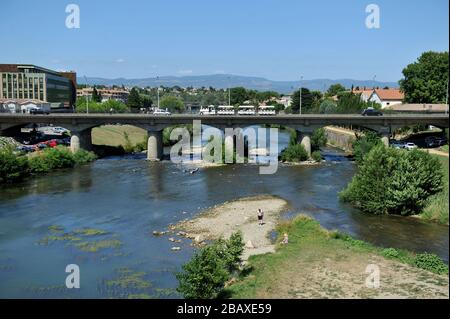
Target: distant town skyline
{"x":320,"y":39}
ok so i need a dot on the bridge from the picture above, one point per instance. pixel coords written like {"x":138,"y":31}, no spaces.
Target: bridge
{"x":80,"y":125}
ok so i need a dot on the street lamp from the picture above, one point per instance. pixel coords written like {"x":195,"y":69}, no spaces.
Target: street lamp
{"x":300,"y":109}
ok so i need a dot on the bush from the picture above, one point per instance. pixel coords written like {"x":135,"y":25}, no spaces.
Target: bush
{"x":12,"y":167}
{"x":294,"y":153}
{"x":204,"y":277}
{"x":316,"y":156}
{"x":318,"y":139}
{"x":431,"y":262}
{"x":390,"y":253}
{"x":363,"y":144}
{"x":391,"y":181}
{"x":83,"y":157}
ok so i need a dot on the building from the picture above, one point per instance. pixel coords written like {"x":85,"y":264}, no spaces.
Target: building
{"x":387,"y":97}
{"x":23,"y":105}
{"x":107,"y":94}
{"x":30,"y":82}
{"x":419,"y":108}
{"x":365,"y":94}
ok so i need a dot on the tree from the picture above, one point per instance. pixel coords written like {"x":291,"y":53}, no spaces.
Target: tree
{"x":364,"y":144}
{"x":238,"y":95}
{"x":335,"y":89}
{"x":134,"y":100}
{"x":307,"y":101}
{"x":146,"y":101}
{"x":96,"y":96}
{"x":318,"y":139}
{"x":391,"y":181}
{"x":425,"y":81}
{"x":205,"y":275}
{"x":327,"y":107}
{"x":172,"y":103}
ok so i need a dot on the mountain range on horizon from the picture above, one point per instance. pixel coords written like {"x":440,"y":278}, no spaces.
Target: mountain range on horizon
{"x":223,"y":81}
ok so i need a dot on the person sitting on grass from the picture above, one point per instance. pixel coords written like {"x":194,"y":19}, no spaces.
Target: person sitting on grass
{"x":285,"y":240}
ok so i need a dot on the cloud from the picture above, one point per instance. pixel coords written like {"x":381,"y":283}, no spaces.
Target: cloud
{"x":185,"y":72}
{"x":120,"y":60}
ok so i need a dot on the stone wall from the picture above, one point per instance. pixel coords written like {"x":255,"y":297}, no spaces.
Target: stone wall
{"x":340,"y":138}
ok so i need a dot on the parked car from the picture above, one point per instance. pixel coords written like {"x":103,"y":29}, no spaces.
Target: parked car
{"x":441,"y":141}
{"x":25,"y":148}
{"x":371,"y":112}
{"x":63,"y":141}
{"x":38,"y":111}
{"x":410,"y":146}
{"x":161,"y":112}
{"x":397,"y":144}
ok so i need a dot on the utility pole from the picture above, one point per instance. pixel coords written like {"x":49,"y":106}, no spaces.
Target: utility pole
{"x":446,"y":100}
{"x":87,"y":96}
{"x":300,"y":109}
{"x":157,"y":89}
{"x":229,"y":92}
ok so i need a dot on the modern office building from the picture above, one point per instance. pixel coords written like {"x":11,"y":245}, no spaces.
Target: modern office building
{"x":26,"y":81}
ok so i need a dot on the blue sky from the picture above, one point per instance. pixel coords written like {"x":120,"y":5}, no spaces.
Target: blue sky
{"x":276,"y":39}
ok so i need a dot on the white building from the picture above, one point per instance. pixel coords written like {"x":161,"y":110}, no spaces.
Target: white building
{"x":387,"y":97}
{"x":23,"y":105}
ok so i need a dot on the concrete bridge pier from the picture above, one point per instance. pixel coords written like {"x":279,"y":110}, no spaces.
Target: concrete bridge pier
{"x":385,"y":136}
{"x":304,"y":138}
{"x":81,"y":140}
{"x":155,"y":145}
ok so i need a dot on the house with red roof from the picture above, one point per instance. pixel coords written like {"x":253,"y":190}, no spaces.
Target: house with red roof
{"x":387,"y":97}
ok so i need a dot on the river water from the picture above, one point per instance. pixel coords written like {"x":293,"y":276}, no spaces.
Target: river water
{"x":129,"y":198}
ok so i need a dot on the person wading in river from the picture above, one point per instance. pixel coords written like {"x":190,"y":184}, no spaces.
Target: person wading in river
{"x":260,"y":216}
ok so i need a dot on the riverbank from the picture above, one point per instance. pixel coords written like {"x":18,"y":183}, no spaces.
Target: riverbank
{"x":240,"y":215}
{"x":437,"y":210}
{"x":16,"y":166}
{"x":322,"y":264}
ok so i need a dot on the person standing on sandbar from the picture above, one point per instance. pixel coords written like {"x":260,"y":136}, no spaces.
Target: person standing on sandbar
{"x":260,"y":216}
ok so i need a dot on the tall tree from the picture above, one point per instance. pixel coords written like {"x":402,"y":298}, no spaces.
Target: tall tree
{"x":172,"y":103}
{"x":335,"y":89}
{"x":425,"y":81}
{"x":307,"y":101}
{"x":134,"y":100}
{"x":96,"y":96}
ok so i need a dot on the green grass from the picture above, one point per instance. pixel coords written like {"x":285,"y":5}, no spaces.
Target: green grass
{"x":113,"y":135}
{"x":311,"y":245}
{"x":444,"y":148}
{"x":437,"y":209}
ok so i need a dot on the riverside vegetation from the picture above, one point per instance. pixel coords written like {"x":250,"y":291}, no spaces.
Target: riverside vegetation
{"x":391,"y":181}
{"x":327,"y":264}
{"x":17,"y":166}
{"x":302,"y":268}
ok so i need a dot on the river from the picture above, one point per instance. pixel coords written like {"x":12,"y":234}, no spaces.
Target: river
{"x":128,"y":198}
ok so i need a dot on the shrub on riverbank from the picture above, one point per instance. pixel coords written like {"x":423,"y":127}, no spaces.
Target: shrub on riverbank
{"x":16,"y":166}
{"x":316,"y":156}
{"x":204,"y":277}
{"x":390,"y":181}
{"x":363,"y":144}
{"x":294,"y":153}
{"x":12,"y":167}
{"x":437,"y":208}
